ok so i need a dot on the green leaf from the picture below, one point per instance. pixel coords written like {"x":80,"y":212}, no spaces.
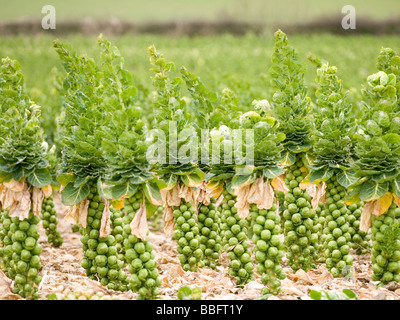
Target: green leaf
{"x":385,"y":176}
{"x":272,"y":172}
{"x":184,"y":293}
{"x":315,"y":295}
{"x":20,"y":174}
{"x":195,"y":178}
{"x":52,"y":296}
{"x":125,"y":189}
{"x":39,"y":178}
{"x":129,"y":93}
{"x":264,"y":297}
{"x":371,"y":190}
{"x":239,"y":180}
{"x":320,"y":175}
{"x":288,"y":159}
{"x":396,"y":186}
{"x":71,"y":195}
{"x":171,"y":181}
{"x":150,"y":208}
{"x":351,"y":294}
{"x":331,"y":295}
{"x":137,"y":180}
{"x":228,"y":187}
{"x":391,"y":138}
{"x":353,"y":196}
{"x":185,"y":180}
{"x":152,"y":190}
{"x":80,"y":181}
{"x":66,"y":178}
{"x":196,"y":294}
{"x":101,"y":190}
{"x":299,"y":148}
{"x":5,"y":176}
{"x":307,"y":159}
{"x":346,"y":178}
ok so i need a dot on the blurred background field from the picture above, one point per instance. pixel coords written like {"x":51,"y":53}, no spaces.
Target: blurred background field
{"x":270,"y":11}
{"x":227,"y":43}
{"x":221,"y":60}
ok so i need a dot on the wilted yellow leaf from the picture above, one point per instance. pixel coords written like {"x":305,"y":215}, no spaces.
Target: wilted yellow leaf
{"x":396,"y":200}
{"x":382,"y":204}
{"x":214,"y":184}
{"x":47,"y":191}
{"x":279,"y":184}
{"x":118,"y":204}
{"x":353,"y":200}
{"x":217,"y":192}
{"x":304,"y":185}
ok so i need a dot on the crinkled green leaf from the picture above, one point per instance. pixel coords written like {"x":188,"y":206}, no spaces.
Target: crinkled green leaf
{"x":39,"y":178}
{"x":372,"y":190}
{"x":272,"y":172}
{"x":72,"y":195}
{"x":346,"y":178}
{"x":320,"y":175}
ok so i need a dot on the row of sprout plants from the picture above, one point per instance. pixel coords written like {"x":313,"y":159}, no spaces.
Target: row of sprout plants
{"x":298,"y":178}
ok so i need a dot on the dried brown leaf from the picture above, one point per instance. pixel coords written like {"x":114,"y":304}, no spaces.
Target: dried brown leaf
{"x":319,"y":194}
{"x":139,"y":225}
{"x":366,"y":216}
{"x":72,"y":214}
{"x":83,"y":208}
{"x":24,"y":206}
{"x":37,"y":201}
{"x":47,"y":191}
{"x":105,"y":220}
{"x":279,"y":184}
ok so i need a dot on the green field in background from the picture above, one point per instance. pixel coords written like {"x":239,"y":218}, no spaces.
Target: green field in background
{"x":266,"y":11}
{"x":239,"y":63}
{"x":212,"y":58}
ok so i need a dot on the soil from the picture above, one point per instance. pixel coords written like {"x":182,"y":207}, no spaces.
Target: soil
{"x":62,"y":275}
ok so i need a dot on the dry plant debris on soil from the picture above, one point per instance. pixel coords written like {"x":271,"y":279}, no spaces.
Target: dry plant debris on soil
{"x":63,"y":275}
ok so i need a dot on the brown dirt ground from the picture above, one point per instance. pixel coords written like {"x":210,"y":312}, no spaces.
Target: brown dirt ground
{"x":62,"y":273}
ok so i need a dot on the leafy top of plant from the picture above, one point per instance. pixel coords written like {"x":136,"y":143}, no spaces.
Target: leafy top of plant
{"x":333,"y":147}
{"x":377,"y":150}
{"x":84,"y":115}
{"x":291,"y":105}
{"x":172,"y":117}
{"x":22,"y":147}
{"x":103,"y":137}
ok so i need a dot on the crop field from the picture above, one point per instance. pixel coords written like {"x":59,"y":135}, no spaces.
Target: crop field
{"x":225,"y":61}
{"x":216,"y":167}
{"x":284,"y":11}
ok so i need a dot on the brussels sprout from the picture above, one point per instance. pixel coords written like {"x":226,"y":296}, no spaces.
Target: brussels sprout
{"x":385,"y":255}
{"x":20,"y":252}
{"x":359,"y":239}
{"x":234,"y":237}
{"x":298,"y":219}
